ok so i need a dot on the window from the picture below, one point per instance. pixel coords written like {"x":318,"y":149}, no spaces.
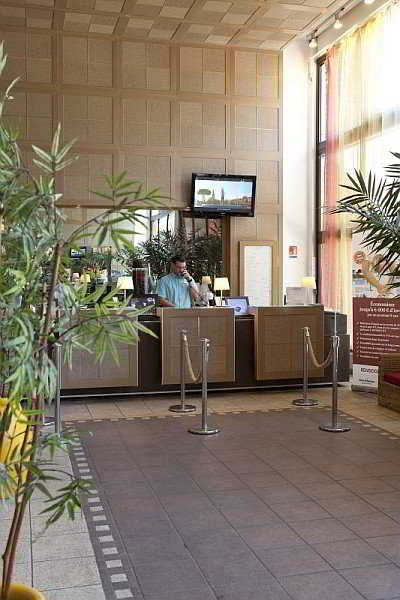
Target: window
{"x":320,"y":159}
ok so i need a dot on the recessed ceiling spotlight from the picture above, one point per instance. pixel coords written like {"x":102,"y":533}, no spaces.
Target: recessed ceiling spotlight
{"x":338,"y":23}
{"x":313,"y":41}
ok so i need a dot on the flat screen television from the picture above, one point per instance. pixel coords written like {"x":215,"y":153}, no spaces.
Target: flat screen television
{"x":233,"y":195}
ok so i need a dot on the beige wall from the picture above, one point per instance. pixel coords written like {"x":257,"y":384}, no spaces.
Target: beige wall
{"x":160,"y":111}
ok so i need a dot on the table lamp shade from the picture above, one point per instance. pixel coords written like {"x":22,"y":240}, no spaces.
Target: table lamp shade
{"x":206,"y":280}
{"x":125,"y":283}
{"x":85,"y":278}
{"x":309,"y":282}
{"x":221,"y":284}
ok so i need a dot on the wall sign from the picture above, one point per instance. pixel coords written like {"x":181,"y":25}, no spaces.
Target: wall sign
{"x":258,"y":272}
{"x":376,"y":331}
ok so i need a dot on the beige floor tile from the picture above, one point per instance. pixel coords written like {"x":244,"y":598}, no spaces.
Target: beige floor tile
{"x":136,"y":411}
{"x":104,"y":410}
{"x":23,"y":573}
{"x":5,"y":525}
{"x":23,"y":554}
{"x":64,"y":525}
{"x":65,"y":573}
{"x":89,"y":592}
{"x":70,"y":545}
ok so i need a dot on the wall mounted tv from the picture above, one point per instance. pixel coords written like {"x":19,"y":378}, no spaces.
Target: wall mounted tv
{"x":233,"y":195}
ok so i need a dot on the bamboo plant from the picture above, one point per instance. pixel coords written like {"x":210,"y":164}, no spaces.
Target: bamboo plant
{"x":32,"y":247}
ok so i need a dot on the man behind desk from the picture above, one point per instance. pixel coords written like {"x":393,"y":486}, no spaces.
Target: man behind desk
{"x":178,"y":289}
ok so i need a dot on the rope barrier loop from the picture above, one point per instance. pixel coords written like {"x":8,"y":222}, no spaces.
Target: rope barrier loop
{"x":318,"y":365}
{"x":195,"y":378}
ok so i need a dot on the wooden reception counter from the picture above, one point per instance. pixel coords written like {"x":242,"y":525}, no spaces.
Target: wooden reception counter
{"x":259,"y":350}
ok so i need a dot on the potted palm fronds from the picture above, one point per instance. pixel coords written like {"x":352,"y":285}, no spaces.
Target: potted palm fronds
{"x":374,"y":205}
{"x":32,"y":247}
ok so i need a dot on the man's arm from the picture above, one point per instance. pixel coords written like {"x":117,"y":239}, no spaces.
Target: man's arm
{"x":164,"y":302}
{"x":194,"y":294}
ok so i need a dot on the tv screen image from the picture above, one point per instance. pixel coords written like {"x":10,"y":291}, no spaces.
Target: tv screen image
{"x":229,"y":194}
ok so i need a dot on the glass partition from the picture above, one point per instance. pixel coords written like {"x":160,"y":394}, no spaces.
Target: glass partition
{"x":156,"y":237}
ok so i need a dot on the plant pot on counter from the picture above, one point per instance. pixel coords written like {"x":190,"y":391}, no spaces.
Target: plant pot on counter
{"x":23,"y":592}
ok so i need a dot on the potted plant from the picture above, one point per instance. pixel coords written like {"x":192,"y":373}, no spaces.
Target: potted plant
{"x":375,"y":208}
{"x":203,"y":253}
{"x":130,"y":258}
{"x":32,"y":247}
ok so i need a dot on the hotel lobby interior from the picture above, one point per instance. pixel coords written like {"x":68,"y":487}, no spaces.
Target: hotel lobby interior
{"x":272,"y":506}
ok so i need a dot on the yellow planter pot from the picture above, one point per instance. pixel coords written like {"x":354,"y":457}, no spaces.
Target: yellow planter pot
{"x":14,"y":437}
{"x":23,"y":592}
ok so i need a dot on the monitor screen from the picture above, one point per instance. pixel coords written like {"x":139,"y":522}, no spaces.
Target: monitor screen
{"x":78,"y":252}
{"x":223,"y":194}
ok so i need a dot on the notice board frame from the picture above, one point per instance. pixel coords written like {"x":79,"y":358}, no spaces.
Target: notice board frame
{"x":274,"y":271}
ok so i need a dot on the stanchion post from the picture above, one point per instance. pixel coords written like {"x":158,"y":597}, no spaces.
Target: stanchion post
{"x":57,"y":408}
{"x":204,"y":429}
{"x":183,"y":407}
{"x":334,"y":426}
{"x":305,"y":400}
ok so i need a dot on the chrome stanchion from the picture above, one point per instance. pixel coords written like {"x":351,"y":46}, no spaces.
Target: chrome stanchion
{"x":305,"y":400}
{"x":204,"y":429}
{"x":334,"y":425}
{"x":57,"y":407}
{"x":182,"y":407}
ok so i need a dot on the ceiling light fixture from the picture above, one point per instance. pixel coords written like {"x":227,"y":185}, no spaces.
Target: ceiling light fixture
{"x":313,"y":41}
{"x":369,"y":1}
{"x":338,"y":23}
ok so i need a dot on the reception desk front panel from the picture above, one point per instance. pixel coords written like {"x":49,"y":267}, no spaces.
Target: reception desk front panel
{"x":278,"y":338}
{"x":86,"y":372}
{"x":255,"y":351}
{"x":216,"y":324}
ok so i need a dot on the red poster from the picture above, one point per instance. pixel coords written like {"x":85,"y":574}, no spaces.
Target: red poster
{"x":376,"y":331}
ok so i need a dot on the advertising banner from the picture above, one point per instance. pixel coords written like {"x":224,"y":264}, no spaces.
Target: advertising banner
{"x":376,"y":318}
{"x":376,"y":331}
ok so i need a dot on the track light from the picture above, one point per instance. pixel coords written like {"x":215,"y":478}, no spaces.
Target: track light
{"x":313,"y":41}
{"x":338,"y":23}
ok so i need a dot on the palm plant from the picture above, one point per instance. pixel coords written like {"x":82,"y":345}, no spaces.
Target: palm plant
{"x":203,"y":253}
{"x":158,"y":250}
{"x":375,"y":208}
{"x":130,"y":258}
{"x":32,"y":247}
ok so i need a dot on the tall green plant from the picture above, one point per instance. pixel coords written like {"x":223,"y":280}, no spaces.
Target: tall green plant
{"x":130,"y":258}
{"x":32,"y":246}
{"x":203,"y":253}
{"x":375,"y":208}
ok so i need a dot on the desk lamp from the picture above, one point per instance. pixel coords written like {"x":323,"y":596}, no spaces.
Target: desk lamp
{"x":125,"y":283}
{"x":309,"y":283}
{"x":221,"y":284}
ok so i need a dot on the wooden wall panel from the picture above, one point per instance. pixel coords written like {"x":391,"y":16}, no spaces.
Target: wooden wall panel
{"x":160,"y":110}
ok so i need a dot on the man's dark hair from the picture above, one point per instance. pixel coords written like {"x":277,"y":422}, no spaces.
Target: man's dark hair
{"x":178,"y":258}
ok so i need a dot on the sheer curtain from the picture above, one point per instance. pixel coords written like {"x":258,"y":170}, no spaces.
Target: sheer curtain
{"x":363,"y":126}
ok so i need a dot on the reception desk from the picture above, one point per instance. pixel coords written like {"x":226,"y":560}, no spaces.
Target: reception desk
{"x":259,"y":350}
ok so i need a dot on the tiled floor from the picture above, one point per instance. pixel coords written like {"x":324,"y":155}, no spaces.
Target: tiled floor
{"x":269,"y":509}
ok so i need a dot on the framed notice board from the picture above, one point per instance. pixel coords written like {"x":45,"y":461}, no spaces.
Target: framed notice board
{"x":259,"y":272}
